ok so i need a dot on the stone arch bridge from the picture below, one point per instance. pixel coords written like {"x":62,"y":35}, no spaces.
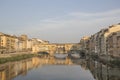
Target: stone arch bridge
{"x":55,"y":48}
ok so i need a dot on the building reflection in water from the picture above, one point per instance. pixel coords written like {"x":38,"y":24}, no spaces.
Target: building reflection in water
{"x":10,"y":70}
{"x":100,"y":71}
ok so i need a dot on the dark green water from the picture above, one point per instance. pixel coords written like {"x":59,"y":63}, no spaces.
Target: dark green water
{"x":57,"y":69}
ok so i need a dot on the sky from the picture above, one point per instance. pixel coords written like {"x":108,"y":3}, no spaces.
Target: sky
{"x":58,"y":21}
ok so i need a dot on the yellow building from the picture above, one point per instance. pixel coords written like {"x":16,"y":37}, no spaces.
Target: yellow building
{"x":111,"y":29}
{"x":7,"y":42}
{"x":84,"y":43}
{"x":23,"y":40}
{"x":39,"y":45}
{"x":113,"y":44}
{"x":100,"y":42}
{"x":29,"y":44}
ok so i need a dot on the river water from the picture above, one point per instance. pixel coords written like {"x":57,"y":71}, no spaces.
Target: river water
{"x":57,"y":69}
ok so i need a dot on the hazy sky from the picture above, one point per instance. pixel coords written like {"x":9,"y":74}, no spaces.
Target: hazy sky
{"x":57,"y":20}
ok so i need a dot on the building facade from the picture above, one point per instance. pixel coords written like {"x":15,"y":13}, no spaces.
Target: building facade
{"x":104,"y":42}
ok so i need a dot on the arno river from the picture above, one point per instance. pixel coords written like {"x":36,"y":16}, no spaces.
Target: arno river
{"x":50,"y":68}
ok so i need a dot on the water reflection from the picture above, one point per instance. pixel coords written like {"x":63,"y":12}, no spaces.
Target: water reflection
{"x":12,"y":69}
{"x":99,"y":70}
{"x":50,"y":68}
{"x":103,"y":72}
